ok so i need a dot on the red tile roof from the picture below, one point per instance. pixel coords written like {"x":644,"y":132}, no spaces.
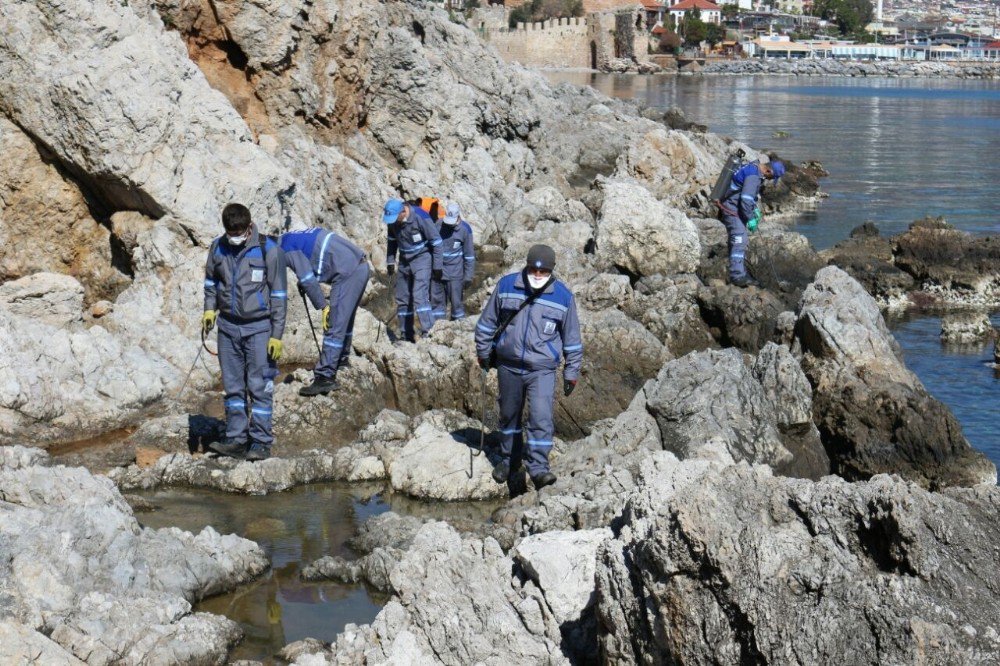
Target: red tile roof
{"x":652,"y":5}
{"x":993,"y":46}
{"x":685,"y":5}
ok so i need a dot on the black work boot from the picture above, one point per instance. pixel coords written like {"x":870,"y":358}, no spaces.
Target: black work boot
{"x":543,"y":479}
{"x":229,"y":448}
{"x":745,"y":281}
{"x":258,"y":452}
{"x":320,"y":385}
{"x":344,"y":363}
{"x":501,"y":472}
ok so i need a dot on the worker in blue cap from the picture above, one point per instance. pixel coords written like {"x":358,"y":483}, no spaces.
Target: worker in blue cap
{"x":414,"y":237}
{"x":740,"y":212}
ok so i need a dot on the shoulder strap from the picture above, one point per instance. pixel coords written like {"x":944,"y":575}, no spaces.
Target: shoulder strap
{"x":504,"y":323}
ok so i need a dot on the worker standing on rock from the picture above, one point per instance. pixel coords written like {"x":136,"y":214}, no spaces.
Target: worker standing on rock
{"x":459,"y":257}
{"x":739,"y":208}
{"x":321,"y":256}
{"x":245,"y":291}
{"x":525,"y":330}
{"x":414,"y":237}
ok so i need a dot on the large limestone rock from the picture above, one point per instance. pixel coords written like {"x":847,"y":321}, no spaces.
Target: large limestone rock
{"x":874,"y":415}
{"x":120,"y":105}
{"x":722,"y":566}
{"x":78,"y":568}
{"x":46,"y":224}
{"x":641,"y":235}
{"x":436,"y":464}
{"x":455,"y":602}
{"x":709,"y":405}
{"x":563,"y":565}
{"x":45,"y":297}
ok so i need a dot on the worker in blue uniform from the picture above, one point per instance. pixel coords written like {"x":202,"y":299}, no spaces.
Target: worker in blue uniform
{"x":414,"y":237}
{"x":318,"y":256}
{"x":739,"y":208}
{"x":528,"y":327}
{"x":459,"y":258}
{"x":245,"y":292}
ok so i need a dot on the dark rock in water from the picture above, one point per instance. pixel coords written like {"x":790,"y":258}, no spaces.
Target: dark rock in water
{"x":874,"y":415}
{"x":938,"y":255}
{"x":868,"y":258}
{"x":866,"y":230}
{"x":740,"y":317}
{"x":738,"y":566}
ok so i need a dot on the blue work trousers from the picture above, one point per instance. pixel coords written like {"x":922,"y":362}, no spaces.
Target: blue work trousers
{"x":445,"y":292}
{"x":345,"y":297}
{"x":248,"y":381}
{"x":738,"y":242}
{"x":413,"y":295}
{"x":537,"y":389}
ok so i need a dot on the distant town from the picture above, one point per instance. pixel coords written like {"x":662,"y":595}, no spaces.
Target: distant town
{"x":601,"y":34}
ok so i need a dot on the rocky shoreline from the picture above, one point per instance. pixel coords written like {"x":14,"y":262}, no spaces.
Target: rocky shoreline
{"x":833,"y":67}
{"x":745,"y":475}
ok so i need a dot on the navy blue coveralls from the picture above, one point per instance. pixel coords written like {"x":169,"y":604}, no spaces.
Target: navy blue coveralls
{"x":417,"y":242}
{"x":459,"y":258}
{"x":321,"y":256}
{"x":248,"y":289}
{"x":528,"y":354}
{"x":736,"y":209}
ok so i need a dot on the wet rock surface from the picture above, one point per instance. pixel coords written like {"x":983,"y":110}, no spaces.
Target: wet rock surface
{"x":930,"y":264}
{"x":874,"y":415}
{"x":96,"y":586}
{"x":833,"y":67}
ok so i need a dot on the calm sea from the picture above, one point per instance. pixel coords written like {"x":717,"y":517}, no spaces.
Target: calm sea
{"x":896,"y":150}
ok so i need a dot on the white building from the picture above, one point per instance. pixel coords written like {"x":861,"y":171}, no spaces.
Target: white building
{"x":708,"y":11}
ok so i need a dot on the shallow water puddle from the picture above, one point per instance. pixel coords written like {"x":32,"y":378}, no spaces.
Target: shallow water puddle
{"x":294,"y":528}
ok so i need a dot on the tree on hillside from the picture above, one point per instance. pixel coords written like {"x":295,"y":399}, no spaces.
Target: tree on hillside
{"x":851,"y":16}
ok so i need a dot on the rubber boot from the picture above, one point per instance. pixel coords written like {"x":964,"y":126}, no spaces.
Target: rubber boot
{"x":543,"y":479}
{"x":320,"y":385}
{"x":257,"y":453}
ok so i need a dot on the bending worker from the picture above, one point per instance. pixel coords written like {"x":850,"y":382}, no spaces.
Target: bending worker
{"x":245,"y":291}
{"x":528,"y":325}
{"x":459,"y":257}
{"x":321,"y":256}
{"x":415,"y":238}
{"x":739,"y":208}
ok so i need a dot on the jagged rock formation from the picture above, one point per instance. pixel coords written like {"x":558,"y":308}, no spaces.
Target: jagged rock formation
{"x":94,"y":585}
{"x":874,"y":415}
{"x":136,"y":122}
{"x":815,"y":572}
{"x":932,"y":261}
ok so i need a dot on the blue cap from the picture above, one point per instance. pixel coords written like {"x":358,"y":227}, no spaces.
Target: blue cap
{"x":393,"y":207}
{"x":777,"y":168}
{"x":452,"y":213}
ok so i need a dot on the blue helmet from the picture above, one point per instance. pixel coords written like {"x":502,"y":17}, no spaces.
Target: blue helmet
{"x":777,"y":168}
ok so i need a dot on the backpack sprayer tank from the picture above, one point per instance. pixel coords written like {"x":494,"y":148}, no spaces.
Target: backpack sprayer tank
{"x":725,"y":179}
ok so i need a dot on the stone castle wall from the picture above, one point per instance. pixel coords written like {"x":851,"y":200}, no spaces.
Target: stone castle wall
{"x":588,"y":42}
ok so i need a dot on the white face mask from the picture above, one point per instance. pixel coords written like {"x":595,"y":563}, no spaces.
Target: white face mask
{"x":238,"y":240}
{"x":537,"y":282}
